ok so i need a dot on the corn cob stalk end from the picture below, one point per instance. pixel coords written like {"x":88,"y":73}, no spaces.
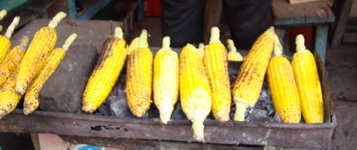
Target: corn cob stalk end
{"x":12,"y":27}
{"x":198,"y":130}
{"x":143,"y":38}
{"x":214,"y":35}
{"x":69,"y":41}
{"x":165,"y":113}
{"x":300,"y":43}
{"x":3,"y":13}
{"x":201,"y":49}
{"x":54,"y":22}
{"x":233,"y":55}
{"x":119,"y":32}
{"x":278,"y":49}
{"x":166,"y":42}
{"x":240,"y":111}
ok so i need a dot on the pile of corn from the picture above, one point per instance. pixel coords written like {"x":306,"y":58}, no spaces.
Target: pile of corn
{"x":198,"y":75}
{"x":25,"y":70}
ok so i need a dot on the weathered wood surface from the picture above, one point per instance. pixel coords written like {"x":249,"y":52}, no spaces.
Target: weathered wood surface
{"x":301,"y":14}
{"x":341,"y":23}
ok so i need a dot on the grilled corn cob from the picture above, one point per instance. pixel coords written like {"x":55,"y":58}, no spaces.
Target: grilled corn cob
{"x":139,"y":78}
{"x":12,"y":60}
{"x":5,"y":43}
{"x":40,"y":47}
{"x":2,"y":15}
{"x":283,"y":87}
{"x":9,"y":98}
{"x":106,"y":72}
{"x":195,"y":92}
{"x":308,"y":83}
{"x":32,"y":101}
{"x":216,"y":65}
{"x":135,"y":44}
{"x":233,"y":55}
{"x":166,"y":80}
{"x":201,"y":49}
{"x":251,"y":76}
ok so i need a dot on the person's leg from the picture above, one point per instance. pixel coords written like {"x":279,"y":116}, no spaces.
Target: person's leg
{"x":182,"y":20}
{"x":247,"y":19}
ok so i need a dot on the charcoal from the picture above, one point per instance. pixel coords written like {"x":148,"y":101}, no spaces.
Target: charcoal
{"x":119,"y":105}
{"x":178,"y":114}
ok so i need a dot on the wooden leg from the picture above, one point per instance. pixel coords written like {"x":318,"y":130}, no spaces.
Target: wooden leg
{"x":341,"y":24}
{"x":320,"y":41}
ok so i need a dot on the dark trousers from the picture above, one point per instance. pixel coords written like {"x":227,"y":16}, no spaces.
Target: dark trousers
{"x":182,"y":20}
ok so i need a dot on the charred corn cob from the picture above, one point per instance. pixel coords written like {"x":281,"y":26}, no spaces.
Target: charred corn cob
{"x":166,"y":80}
{"x":9,"y":98}
{"x":40,"y":47}
{"x":308,"y":83}
{"x":106,"y":72}
{"x":32,"y":101}
{"x":135,"y":44}
{"x":233,"y":55}
{"x":2,"y":15}
{"x":251,"y":76}
{"x":201,"y":49}
{"x":216,"y":65}
{"x":195,"y":92}
{"x":283,"y":87}
{"x":12,"y":60}
{"x":5,"y":43}
{"x":139,"y":78}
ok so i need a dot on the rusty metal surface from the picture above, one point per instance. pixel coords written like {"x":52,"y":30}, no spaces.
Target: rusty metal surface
{"x":279,"y":134}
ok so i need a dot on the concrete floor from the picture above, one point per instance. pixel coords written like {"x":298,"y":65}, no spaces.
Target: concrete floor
{"x":341,"y":65}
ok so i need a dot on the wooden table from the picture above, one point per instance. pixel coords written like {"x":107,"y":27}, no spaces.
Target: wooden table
{"x":317,"y":14}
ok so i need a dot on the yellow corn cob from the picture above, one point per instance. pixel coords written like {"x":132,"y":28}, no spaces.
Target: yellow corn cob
{"x":32,"y":101}
{"x":135,"y":44}
{"x":2,"y":15}
{"x":139,"y":78}
{"x":233,"y":55}
{"x":195,"y":92}
{"x":216,"y":65}
{"x":201,"y":49}
{"x":9,"y":98}
{"x":308,"y":83}
{"x":166,"y":80}
{"x":283,"y":87}
{"x":106,"y":72}
{"x":12,"y":60}
{"x":251,"y":76}
{"x":5,"y":43}
{"x":40,"y":47}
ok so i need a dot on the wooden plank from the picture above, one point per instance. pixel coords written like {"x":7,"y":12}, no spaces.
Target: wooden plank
{"x":341,"y":24}
{"x":212,"y":17}
{"x":301,"y":14}
{"x":349,"y":38}
{"x":302,"y":1}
